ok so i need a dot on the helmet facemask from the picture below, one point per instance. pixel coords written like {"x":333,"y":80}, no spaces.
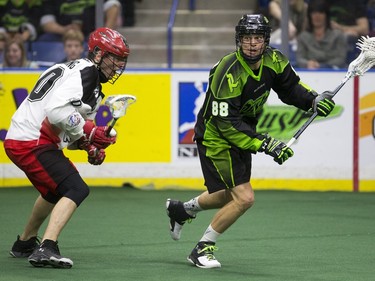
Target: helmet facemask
{"x":115,"y":67}
{"x":252,"y":25}
{"x":110,"y":67}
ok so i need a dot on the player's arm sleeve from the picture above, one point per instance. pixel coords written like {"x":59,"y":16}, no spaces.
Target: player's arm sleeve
{"x":291,"y":90}
{"x":67,"y":119}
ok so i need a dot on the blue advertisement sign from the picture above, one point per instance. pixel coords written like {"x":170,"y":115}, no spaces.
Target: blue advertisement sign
{"x":191,"y":97}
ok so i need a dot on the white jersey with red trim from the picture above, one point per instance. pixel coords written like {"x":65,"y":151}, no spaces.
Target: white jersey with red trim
{"x":55,"y":111}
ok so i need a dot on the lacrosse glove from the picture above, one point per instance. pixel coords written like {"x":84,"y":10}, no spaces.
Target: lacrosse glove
{"x":95,"y":135}
{"x":323,"y":105}
{"x":276,"y":149}
{"x":95,"y":155}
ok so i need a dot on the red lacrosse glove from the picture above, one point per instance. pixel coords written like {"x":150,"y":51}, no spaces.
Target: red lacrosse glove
{"x":95,"y":135}
{"x":96,"y":156}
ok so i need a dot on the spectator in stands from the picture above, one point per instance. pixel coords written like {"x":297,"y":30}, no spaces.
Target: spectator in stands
{"x":351,"y":18}
{"x":112,"y":16}
{"x":15,"y":55}
{"x":2,"y":46}
{"x":320,"y":46}
{"x":128,"y":12}
{"x":19,"y":19}
{"x":59,"y":17}
{"x":370,"y":8}
{"x":262,"y":7}
{"x":73,"y":41}
{"x":297,"y":19}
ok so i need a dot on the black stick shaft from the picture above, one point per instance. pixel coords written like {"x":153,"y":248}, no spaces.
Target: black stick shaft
{"x":312,"y":117}
{"x":110,"y":127}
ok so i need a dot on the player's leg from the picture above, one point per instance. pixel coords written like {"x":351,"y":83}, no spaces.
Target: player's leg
{"x":59,"y":183}
{"x":202,"y":255}
{"x":41,"y":210}
{"x":25,"y":156}
{"x":234,"y":181}
{"x":60,"y":215}
{"x":28,"y":241}
{"x":243,"y":199}
{"x":73,"y":191}
{"x":180,"y":212}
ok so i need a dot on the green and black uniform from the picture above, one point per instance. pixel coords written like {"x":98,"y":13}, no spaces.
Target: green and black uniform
{"x":225,"y":130}
{"x":21,"y":15}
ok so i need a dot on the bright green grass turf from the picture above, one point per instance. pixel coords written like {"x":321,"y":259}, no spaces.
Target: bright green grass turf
{"x":122,"y":234}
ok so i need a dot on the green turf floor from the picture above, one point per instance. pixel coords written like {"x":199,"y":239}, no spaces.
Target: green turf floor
{"x":122,"y":234}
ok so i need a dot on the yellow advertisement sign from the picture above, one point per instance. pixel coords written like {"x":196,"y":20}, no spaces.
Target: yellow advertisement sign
{"x":143,"y":134}
{"x":367,"y":115}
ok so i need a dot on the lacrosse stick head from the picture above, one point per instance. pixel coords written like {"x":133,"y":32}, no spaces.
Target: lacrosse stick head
{"x":118,"y":104}
{"x":366,"y":58}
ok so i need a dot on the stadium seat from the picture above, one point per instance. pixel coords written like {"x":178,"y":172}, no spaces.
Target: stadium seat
{"x":46,"y":53}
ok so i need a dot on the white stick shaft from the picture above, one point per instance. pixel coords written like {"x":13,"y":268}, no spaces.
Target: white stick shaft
{"x":292,"y":140}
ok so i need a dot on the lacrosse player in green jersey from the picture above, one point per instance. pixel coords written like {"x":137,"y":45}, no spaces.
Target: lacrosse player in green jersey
{"x":226,"y":136}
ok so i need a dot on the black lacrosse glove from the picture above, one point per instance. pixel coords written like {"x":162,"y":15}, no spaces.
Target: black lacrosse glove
{"x":277,"y":149}
{"x":323,"y":104}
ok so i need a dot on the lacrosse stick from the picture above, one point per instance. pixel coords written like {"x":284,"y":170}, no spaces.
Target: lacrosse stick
{"x":117,"y":105}
{"x":357,"y":67}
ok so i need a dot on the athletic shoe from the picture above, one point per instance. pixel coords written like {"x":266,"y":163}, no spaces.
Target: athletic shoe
{"x":48,"y":253}
{"x":23,"y":249}
{"x":202,"y":255}
{"x":177,"y":217}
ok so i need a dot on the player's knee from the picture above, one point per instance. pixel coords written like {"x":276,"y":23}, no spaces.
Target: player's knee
{"x":78,"y":193}
{"x":74,"y":188}
{"x":246,"y":201}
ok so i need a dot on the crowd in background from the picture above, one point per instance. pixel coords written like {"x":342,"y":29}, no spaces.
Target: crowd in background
{"x":322,"y":33}
{"x":23,"y":22}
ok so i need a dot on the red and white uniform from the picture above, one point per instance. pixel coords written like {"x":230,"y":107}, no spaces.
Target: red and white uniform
{"x":65,"y":96}
{"x":51,"y":118}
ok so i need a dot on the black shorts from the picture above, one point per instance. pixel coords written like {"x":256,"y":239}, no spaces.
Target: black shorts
{"x":45,"y":165}
{"x":224,"y":167}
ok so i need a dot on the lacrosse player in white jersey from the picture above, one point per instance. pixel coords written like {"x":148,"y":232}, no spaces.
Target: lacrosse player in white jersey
{"x":59,"y":113}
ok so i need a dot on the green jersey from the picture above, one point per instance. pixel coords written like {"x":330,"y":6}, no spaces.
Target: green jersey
{"x":236,"y":95}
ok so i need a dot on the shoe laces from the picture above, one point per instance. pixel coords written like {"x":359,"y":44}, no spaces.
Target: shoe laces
{"x":208,"y":251}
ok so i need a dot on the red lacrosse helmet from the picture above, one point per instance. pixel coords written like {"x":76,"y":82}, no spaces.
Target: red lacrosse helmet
{"x":109,"y":41}
{"x":114,"y":46}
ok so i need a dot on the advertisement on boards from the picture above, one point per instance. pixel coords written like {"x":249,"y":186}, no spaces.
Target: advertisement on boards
{"x":155,"y":136}
{"x":142,"y":133}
